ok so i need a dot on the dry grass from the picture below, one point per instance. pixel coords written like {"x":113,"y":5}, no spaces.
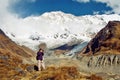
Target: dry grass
{"x":61,"y":73}
{"x":94,"y":77}
{"x":7,"y":44}
{"x":64,"y":73}
{"x":13,"y":69}
{"x":8,"y":63}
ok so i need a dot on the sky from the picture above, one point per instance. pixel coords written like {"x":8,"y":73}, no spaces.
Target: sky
{"x":25,"y":8}
{"x":12,"y":12}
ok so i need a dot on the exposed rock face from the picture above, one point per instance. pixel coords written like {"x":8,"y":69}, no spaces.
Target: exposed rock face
{"x":102,"y":54}
{"x":106,"y":41}
{"x":104,"y":63}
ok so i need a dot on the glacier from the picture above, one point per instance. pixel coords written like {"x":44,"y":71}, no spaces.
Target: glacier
{"x":55,"y":28}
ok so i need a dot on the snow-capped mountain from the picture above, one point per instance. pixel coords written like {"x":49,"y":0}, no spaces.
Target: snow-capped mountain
{"x":55,"y":28}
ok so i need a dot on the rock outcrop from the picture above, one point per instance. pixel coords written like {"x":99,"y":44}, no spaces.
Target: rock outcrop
{"x":103,"y":63}
{"x":102,"y":54}
{"x":106,"y":41}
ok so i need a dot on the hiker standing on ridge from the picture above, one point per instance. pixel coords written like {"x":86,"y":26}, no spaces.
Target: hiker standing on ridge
{"x":39,"y":58}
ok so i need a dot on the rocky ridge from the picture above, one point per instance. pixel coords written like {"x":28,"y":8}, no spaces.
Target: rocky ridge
{"x":106,"y":41}
{"x":102,"y":54}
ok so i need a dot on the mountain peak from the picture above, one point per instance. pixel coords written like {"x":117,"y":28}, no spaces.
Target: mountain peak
{"x":58,"y":15}
{"x":55,"y":13}
{"x":106,"y":41}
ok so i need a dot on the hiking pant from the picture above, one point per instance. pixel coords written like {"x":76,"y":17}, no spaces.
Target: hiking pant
{"x":41,"y":64}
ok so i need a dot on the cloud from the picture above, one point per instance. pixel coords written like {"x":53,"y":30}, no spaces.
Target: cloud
{"x":5,"y":14}
{"x":8,"y":19}
{"x":82,"y":1}
{"x":12,"y":22}
{"x":3,"y":8}
{"x":32,"y":1}
{"x":114,"y":4}
{"x":96,"y":12}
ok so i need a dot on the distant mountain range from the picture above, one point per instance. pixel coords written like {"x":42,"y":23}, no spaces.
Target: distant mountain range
{"x":56,"y":29}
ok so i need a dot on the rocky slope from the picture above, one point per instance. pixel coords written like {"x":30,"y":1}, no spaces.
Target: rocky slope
{"x":106,"y":41}
{"x":13,"y":58}
{"x":102,"y":54}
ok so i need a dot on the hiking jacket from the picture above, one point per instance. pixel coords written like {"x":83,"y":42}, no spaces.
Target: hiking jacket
{"x":39,"y":55}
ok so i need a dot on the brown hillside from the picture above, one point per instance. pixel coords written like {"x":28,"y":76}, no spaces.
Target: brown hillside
{"x":13,"y":57}
{"x":106,"y":41}
{"x":7,"y":44}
